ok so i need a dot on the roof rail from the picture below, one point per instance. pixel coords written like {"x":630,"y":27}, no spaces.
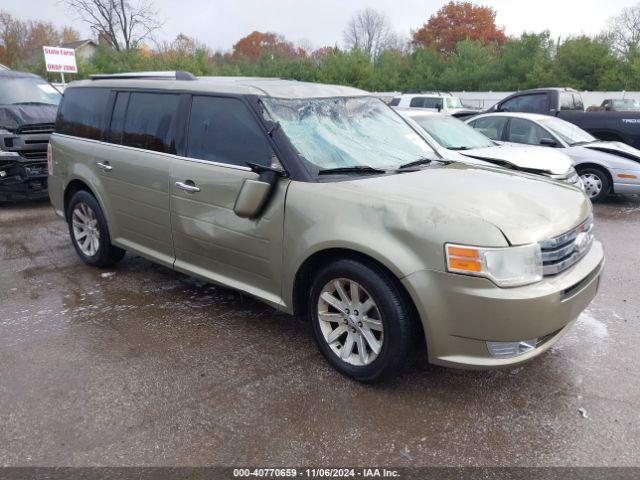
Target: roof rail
{"x":177,"y":75}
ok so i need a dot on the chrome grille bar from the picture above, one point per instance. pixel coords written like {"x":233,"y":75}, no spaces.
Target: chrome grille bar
{"x":563,"y":251}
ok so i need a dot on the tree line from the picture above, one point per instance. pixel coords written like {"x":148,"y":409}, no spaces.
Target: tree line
{"x":460,"y":47}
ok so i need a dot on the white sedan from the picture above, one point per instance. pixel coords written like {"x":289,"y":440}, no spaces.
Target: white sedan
{"x":604,"y":167}
{"x":452,"y":135}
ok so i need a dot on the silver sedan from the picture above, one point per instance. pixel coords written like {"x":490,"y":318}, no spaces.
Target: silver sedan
{"x":605,"y":167}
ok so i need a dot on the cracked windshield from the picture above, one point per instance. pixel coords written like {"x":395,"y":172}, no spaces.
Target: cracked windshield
{"x":347,"y":132}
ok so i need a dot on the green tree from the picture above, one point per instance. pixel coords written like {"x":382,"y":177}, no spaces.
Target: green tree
{"x":353,"y":68}
{"x":471,"y":67}
{"x":425,"y":67}
{"x":520,"y":57}
{"x":390,"y":72}
{"x":581,"y":62}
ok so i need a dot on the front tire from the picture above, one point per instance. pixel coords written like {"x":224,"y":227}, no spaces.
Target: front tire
{"x":361,"y":320}
{"x":596,"y":183}
{"x":89,"y":232}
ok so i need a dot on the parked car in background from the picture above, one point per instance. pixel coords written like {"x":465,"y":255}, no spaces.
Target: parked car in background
{"x":604,"y":167}
{"x":567,"y":104}
{"x":435,"y":101}
{"x":455,"y":135}
{"x":28,"y":106}
{"x":323,"y":202}
{"x":617,"y":105}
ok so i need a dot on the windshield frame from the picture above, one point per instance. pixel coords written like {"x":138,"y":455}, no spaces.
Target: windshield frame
{"x":35,"y":83}
{"x":313,"y":169}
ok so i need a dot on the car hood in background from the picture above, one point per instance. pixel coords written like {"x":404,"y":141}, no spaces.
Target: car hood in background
{"x":15,"y":116}
{"x":527,"y":158}
{"x":615,"y":148}
{"x":525,"y":208}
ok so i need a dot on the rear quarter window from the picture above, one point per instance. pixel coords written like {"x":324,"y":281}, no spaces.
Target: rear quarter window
{"x":82,"y":112}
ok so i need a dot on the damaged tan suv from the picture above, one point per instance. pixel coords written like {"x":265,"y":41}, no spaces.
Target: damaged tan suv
{"x":323,"y":202}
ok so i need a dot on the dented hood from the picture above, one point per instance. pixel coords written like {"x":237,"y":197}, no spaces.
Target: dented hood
{"x":15,"y":116}
{"x":615,"y":148}
{"x":529,"y":159}
{"x":526,"y":208}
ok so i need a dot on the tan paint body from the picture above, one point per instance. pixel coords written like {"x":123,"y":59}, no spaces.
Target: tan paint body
{"x":400,"y":220}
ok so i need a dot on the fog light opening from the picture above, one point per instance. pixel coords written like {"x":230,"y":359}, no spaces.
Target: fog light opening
{"x":511,"y":349}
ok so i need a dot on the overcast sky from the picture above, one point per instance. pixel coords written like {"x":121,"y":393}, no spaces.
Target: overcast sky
{"x":220,"y":23}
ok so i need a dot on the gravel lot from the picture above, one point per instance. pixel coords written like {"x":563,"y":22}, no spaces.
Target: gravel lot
{"x":139,"y":365}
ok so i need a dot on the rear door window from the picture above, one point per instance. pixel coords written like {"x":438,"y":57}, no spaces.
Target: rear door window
{"x":492,"y":127}
{"x":83,"y":112}
{"x":223,"y":130}
{"x":417,"y":102}
{"x":566,"y":101}
{"x":533,"y":103}
{"x":394,"y":102}
{"x":150,"y":121}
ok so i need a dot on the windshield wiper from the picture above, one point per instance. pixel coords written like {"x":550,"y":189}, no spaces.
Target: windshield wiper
{"x":33,"y":103}
{"x":416,"y":163}
{"x":459,"y":148}
{"x":352,"y":169}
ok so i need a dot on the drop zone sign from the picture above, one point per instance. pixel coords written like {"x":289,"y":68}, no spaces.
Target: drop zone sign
{"x":60,"y":60}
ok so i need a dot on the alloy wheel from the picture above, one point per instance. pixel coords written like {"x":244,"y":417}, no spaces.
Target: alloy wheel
{"x":85,"y":229}
{"x":350,"y":321}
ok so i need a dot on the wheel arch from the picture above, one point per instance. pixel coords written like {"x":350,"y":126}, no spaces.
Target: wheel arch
{"x":72,"y":188}
{"x":304,"y":276}
{"x":583,"y":166}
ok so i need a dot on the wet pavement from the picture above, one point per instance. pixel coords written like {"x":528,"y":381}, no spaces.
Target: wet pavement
{"x":139,"y":365}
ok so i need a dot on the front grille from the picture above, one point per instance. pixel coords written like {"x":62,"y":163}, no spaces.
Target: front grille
{"x":35,"y":128}
{"x":563,"y":251}
{"x":34,"y":154}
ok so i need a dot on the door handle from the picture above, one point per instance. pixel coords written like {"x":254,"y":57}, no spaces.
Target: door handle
{"x":187,"y":187}
{"x":104,"y":166}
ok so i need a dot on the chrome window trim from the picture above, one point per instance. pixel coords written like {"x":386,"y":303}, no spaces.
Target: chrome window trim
{"x":170,"y":155}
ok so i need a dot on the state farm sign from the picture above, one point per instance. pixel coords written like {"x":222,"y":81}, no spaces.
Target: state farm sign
{"x":62,"y":60}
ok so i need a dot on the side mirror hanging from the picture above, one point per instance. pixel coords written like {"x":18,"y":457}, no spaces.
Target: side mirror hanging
{"x":254,"y":194}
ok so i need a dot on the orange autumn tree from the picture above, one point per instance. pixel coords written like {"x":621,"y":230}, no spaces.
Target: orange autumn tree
{"x":457,"y":21}
{"x":257,"y":44}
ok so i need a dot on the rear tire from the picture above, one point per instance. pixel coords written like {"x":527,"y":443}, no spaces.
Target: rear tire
{"x":89,"y":232}
{"x":361,"y":321}
{"x":596,"y":183}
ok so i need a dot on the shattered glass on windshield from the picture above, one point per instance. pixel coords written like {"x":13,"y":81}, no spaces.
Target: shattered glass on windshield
{"x":345,"y":132}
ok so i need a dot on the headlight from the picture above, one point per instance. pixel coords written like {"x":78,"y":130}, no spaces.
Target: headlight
{"x":506,"y":267}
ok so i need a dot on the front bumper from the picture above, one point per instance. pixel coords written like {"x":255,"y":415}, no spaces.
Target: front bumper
{"x":23,"y":186}
{"x":460,"y":314}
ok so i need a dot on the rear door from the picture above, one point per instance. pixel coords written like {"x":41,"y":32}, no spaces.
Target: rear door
{"x":135,"y":172}
{"x":210,"y":240}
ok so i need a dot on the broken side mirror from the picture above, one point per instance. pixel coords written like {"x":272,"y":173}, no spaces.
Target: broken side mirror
{"x":254,"y":194}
